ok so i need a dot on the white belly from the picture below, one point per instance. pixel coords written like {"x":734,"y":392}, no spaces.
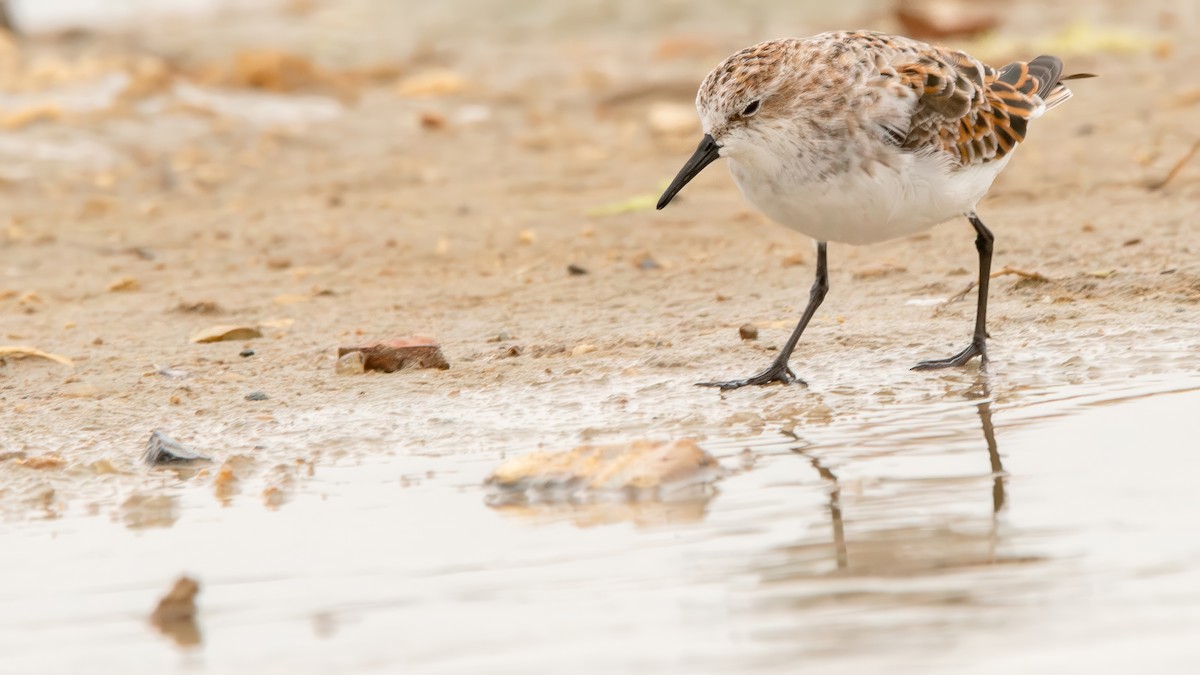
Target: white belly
{"x":858,"y":207}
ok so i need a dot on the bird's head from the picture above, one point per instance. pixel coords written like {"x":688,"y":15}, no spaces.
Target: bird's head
{"x":743,"y":103}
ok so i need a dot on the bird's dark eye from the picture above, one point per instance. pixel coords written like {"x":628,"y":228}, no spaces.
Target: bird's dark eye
{"x":751,"y":109}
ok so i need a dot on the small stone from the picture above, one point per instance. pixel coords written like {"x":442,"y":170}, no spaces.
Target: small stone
{"x":257,"y":396}
{"x":352,"y":363}
{"x":173,"y":373}
{"x":647,"y":263}
{"x":748,"y":331}
{"x":575,"y":270}
{"x":527,"y":237}
{"x":246,"y":353}
{"x":161,"y":450}
{"x":199,"y":307}
{"x":388,"y":356}
{"x":432,"y":121}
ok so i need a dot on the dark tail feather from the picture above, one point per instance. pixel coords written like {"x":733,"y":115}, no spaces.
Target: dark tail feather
{"x":1044,"y":72}
{"x":1048,"y":71}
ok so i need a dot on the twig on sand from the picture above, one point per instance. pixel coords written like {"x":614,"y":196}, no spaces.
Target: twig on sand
{"x":1187,"y":157}
{"x":1033,"y":276}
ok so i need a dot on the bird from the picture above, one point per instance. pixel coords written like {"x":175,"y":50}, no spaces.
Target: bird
{"x":859,"y":137}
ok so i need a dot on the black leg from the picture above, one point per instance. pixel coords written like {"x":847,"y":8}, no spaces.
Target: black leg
{"x":778,"y":371}
{"x":978,"y":346}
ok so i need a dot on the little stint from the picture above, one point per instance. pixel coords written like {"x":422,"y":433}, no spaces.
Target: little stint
{"x":860,"y":137}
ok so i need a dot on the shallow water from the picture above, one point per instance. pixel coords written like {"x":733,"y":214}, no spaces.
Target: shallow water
{"x":936,"y":537}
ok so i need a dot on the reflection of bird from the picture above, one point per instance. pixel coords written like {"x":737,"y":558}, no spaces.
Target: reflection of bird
{"x":882,"y":546}
{"x":860,"y":137}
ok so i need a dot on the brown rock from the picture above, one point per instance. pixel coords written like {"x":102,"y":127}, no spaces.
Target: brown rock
{"x":748,"y":331}
{"x":388,"y":356}
{"x":432,"y":121}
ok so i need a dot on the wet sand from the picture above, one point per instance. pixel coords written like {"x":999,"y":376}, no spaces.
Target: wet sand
{"x":878,"y":516}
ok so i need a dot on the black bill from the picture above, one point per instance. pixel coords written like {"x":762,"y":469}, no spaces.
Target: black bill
{"x":706,"y":153}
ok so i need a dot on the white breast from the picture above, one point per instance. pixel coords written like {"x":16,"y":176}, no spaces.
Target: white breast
{"x":863,"y":207}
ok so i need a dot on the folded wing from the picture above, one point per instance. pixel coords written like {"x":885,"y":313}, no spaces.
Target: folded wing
{"x":969,"y":111}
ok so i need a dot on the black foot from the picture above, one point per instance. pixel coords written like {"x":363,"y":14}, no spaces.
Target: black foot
{"x":976,"y":348}
{"x":776,"y":373}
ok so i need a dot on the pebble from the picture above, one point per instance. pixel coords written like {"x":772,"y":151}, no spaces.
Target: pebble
{"x":647,"y":263}
{"x":388,"y":356}
{"x":245,"y":353}
{"x":432,"y":121}
{"x":161,"y":449}
{"x":575,"y":270}
{"x":257,"y":396}
{"x":173,"y":373}
{"x":748,"y":331}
